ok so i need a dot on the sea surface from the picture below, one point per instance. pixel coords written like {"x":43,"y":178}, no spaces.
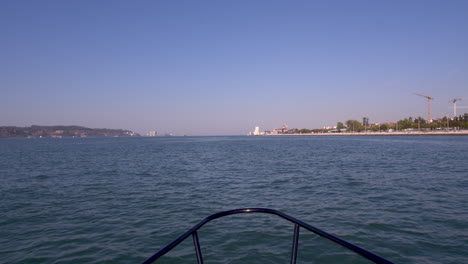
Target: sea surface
{"x":120,"y":200}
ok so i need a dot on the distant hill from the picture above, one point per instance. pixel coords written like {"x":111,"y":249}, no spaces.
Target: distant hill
{"x":62,"y":132}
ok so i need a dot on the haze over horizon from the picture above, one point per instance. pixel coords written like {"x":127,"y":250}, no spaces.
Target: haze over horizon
{"x":224,"y":67}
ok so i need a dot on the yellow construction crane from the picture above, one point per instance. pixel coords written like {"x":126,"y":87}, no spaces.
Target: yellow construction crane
{"x":429,"y":98}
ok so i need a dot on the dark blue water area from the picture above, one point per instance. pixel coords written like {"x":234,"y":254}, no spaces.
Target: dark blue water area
{"x":120,"y":200}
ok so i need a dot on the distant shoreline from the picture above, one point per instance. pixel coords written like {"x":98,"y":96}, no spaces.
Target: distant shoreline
{"x":62,"y":132}
{"x":409,"y":133}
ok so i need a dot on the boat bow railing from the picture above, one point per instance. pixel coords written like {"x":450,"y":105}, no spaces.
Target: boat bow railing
{"x":297,"y":225}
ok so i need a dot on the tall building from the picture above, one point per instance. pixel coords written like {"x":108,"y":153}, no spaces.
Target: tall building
{"x":152,"y":133}
{"x":257,"y":131}
{"x":365,"y":121}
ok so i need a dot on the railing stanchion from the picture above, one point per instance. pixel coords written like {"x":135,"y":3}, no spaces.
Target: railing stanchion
{"x":196,"y":243}
{"x":295,"y":244}
{"x":297,"y":224}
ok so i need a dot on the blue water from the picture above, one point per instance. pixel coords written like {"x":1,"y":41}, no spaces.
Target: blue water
{"x":119,"y":200}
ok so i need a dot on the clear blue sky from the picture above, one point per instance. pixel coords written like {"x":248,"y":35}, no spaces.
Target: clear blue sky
{"x":223,"y":67}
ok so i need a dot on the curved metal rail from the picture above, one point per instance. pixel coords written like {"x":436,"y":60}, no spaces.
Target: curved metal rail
{"x":297,"y":225}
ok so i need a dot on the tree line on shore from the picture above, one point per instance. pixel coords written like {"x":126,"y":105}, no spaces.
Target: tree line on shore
{"x":410,"y":123}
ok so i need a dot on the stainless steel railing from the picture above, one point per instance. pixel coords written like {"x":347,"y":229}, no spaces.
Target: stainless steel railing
{"x":297,"y":224}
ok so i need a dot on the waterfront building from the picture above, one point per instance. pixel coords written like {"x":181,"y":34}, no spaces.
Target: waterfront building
{"x":257,"y":131}
{"x":365,"y":121}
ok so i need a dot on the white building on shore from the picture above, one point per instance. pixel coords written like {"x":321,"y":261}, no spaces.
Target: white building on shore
{"x":257,"y":132}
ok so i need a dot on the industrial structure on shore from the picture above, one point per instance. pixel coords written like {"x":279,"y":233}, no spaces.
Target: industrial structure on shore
{"x":457,"y":122}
